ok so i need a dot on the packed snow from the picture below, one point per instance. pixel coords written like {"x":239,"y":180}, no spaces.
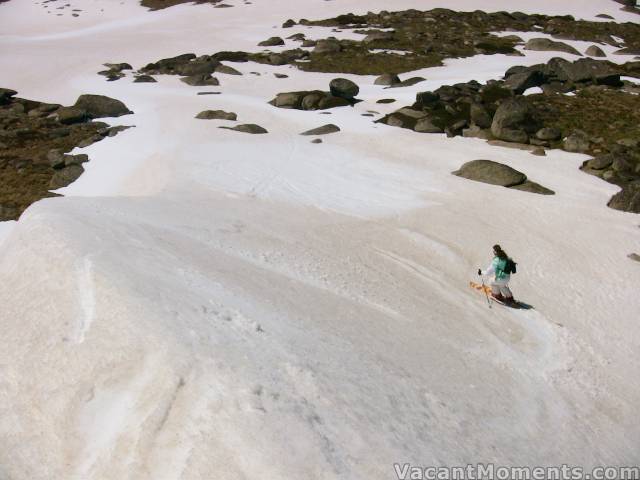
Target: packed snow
{"x":205,"y":304}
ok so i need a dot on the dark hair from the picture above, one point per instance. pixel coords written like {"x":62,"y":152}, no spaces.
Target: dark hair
{"x":497,"y":249}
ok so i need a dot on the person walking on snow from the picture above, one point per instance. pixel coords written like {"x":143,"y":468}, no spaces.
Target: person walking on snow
{"x":500,"y":285}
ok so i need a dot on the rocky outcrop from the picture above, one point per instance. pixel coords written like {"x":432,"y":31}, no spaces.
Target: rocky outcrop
{"x":494,"y":173}
{"x":99,"y":106}
{"x":34,"y":137}
{"x":628,"y":199}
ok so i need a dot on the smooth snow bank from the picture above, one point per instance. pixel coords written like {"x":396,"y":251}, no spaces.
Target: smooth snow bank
{"x":207,"y":304}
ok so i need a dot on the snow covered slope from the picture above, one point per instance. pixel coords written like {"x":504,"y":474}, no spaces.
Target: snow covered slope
{"x":205,"y":304}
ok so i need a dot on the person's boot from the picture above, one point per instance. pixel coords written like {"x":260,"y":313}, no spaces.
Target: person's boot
{"x":498,"y":297}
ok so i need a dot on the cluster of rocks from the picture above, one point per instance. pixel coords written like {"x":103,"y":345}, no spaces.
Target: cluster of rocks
{"x":342,"y":92}
{"x":427,"y":37}
{"x":34,"y":137}
{"x":494,"y":173}
{"x":585,"y":122}
{"x":115,"y":71}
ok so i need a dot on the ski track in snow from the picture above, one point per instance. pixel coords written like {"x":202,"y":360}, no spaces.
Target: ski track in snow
{"x":206,"y":304}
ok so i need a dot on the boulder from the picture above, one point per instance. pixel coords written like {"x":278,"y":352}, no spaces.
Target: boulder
{"x":331,"y":101}
{"x":289,"y":23}
{"x":479,"y":116}
{"x":144,"y":79}
{"x":408,"y":82}
{"x":216,"y":115}
{"x":548,"y":134}
{"x":99,"y":106}
{"x":342,"y":87}
{"x":513,"y":121}
{"x":247,"y":128}
{"x":584,"y":70}
{"x":168,"y":65}
{"x":78,"y":159}
{"x":546,"y":45}
{"x":323,"y":130}
{"x":577,"y":142}
{"x":316,"y":140}
{"x":271,"y":42}
{"x":520,"y":82}
{"x":71,"y":115}
{"x":65,"y":176}
{"x":494,"y":173}
{"x":55,"y":158}
{"x":595,"y":51}
{"x":386,"y":100}
{"x":387,"y":79}
{"x":425,"y":125}
{"x":601,"y":161}
{"x":634,"y":256}
{"x":628,"y":199}
{"x":290,"y":100}
{"x":201,"y":80}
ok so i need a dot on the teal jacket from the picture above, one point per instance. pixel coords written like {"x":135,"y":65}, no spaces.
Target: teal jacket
{"x":497,"y":266}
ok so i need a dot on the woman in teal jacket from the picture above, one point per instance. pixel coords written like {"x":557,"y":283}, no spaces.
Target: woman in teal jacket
{"x":500,"y":285}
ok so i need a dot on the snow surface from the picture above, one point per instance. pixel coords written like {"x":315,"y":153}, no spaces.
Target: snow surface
{"x":206,"y":304}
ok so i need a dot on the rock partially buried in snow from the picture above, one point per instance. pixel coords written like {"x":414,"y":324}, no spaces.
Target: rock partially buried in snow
{"x":65,"y":176}
{"x":145,"y":79}
{"x":216,"y":115}
{"x":247,"y":128}
{"x":494,"y":173}
{"x":545,"y":45}
{"x":628,"y":199}
{"x":323,"y":130}
{"x":387,"y":79}
{"x":99,"y":106}
{"x":344,"y":88}
{"x":595,"y":51}
{"x":308,"y":100}
{"x":201,"y":80}
{"x":634,"y":256}
{"x":271,"y":42}
{"x":488,"y":171}
{"x":227,"y":70}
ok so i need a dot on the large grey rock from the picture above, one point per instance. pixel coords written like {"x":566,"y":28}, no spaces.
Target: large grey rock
{"x":216,"y":115}
{"x":345,"y":88}
{"x":479,"y":116}
{"x":546,"y":45}
{"x":55,"y":158}
{"x":99,"y":106}
{"x":628,"y":199}
{"x":65,"y":176}
{"x":577,"y":142}
{"x":387,"y":79}
{"x":595,"y":51}
{"x":425,"y":125}
{"x":323,"y":130}
{"x":71,"y":115}
{"x":513,"y":121}
{"x":520,"y":82}
{"x":494,"y":173}
{"x":290,"y":99}
{"x":144,"y":79}
{"x":248,"y":128}
{"x":271,"y":42}
{"x":601,"y":161}
{"x":201,"y":80}
{"x":584,"y":70}
{"x":548,"y":134}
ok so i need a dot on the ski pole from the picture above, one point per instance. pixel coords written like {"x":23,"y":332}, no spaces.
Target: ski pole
{"x":485,"y":292}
